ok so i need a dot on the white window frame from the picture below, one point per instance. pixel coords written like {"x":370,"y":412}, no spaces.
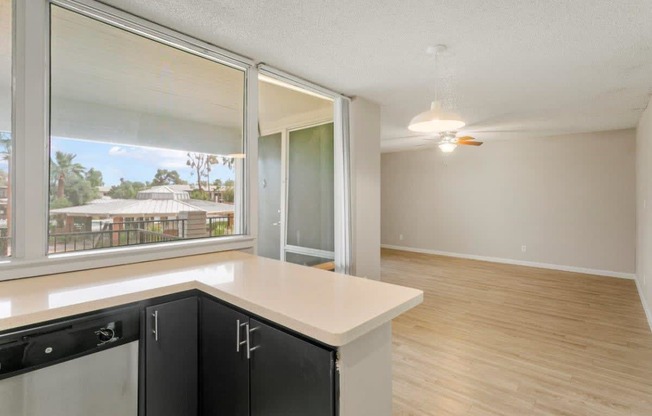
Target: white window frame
{"x":30,"y":125}
{"x":30,"y":132}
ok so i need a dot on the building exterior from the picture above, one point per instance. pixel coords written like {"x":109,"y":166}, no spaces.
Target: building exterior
{"x":160,"y":213}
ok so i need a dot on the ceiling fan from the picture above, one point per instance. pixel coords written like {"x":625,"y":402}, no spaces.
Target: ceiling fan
{"x":448,"y":141}
{"x":443,"y":124}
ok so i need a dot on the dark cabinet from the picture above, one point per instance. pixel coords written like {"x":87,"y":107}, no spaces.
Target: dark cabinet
{"x":251,"y":368}
{"x":224,"y":368}
{"x":289,"y":376}
{"x":171,"y":358}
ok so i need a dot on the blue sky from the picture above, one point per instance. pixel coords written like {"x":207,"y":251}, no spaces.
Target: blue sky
{"x":132,"y":163}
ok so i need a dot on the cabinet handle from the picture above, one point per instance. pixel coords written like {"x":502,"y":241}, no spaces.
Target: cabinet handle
{"x":249,"y":347}
{"x":238,"y":343}
{"x":155,"y":330}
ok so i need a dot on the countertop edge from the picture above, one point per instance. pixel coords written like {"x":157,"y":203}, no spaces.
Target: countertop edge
{"x":329,"y":338}
{"x":41,"y":317}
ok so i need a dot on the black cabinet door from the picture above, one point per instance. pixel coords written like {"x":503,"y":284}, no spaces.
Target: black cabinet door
{"x":289,"y":376}
{"x":171,"y":358}
{"x":224,"y":370}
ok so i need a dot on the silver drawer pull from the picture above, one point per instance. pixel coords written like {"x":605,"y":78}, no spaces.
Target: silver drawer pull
{"x":155,"y":330}
{"x":238,"y":343}
{"x":249,"y":347}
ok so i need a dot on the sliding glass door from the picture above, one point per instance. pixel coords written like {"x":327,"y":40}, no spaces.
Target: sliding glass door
{"x":310,"y":206}
{"x":296,"y":195}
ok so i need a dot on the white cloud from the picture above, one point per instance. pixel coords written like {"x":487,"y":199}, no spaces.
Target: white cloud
{"x":117,"y":150}
{"x":163,"y":158}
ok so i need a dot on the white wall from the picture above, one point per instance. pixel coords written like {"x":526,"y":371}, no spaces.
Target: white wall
{"x":643,"y":211}
{"x":365,"y":187}
{"x":569,"y":199}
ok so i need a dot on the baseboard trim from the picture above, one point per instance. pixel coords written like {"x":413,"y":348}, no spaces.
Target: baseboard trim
{"x":572,"y":269}
{"x":646,"y":308}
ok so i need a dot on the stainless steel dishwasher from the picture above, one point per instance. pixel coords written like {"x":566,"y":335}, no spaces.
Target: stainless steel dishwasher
{"x":79,"y":367}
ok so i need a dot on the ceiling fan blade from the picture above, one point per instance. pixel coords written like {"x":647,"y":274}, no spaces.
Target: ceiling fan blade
{"x":465,"y":138}
{"x":469,"y":143}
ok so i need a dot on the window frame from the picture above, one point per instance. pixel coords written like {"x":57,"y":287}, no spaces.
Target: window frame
{"x":30,"y":169}
{"x":31,"y":90}
{"x":12,"y":108}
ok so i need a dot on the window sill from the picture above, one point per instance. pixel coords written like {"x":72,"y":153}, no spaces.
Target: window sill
{"x":83,"y":260}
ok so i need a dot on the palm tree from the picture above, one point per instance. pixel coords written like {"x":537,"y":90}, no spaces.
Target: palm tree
{"x":63,"y":167}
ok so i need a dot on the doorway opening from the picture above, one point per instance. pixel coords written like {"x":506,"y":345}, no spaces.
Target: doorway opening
{"x":296,"y":175}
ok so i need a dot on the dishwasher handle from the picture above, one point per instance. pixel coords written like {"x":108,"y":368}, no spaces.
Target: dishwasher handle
{"x":49,"y":344}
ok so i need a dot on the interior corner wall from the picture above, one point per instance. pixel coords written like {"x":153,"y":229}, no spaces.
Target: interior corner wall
{"x":365,"y":187}
{"x":570,"y":200}
{"x":643,"y":211}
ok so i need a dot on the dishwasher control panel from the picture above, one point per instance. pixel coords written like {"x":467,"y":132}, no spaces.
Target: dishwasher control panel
{"x":38,"y":347}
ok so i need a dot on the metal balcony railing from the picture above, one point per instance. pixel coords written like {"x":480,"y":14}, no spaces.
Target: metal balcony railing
{"x":118,"y":234}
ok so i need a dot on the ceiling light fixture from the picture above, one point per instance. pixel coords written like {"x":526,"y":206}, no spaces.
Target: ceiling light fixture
{"x":447,"y":147}
{"x":436,"y":119}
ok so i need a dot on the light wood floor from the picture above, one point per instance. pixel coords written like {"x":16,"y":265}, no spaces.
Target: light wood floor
{"x":493,"y":339}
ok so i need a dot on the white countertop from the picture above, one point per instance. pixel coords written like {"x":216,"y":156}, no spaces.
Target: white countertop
{"x":329,"y":307}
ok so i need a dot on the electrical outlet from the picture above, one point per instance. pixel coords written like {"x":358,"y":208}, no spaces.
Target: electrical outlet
{"x":523,"y":248}
{"x":400,"y":237}
{"x":644,"y":203}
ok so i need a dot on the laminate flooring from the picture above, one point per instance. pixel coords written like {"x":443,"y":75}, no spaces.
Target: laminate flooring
{"x":497,"y":339}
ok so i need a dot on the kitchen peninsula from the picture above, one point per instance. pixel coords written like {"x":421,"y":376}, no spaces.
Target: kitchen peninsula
{"x":262,"y":331}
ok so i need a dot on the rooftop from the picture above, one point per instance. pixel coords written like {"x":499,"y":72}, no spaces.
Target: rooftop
{"x":156,"y":201}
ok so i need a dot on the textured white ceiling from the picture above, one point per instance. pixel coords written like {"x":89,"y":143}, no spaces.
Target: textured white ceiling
{"x":94,"y":63}
{"x":515,"y":69}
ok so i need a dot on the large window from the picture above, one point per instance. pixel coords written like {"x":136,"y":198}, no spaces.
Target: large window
{"x":118,"y":135}
{"x":5,"y":127}
{"x":146,"y":141}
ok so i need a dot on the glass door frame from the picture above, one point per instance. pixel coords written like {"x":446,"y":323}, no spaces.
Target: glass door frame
{"x":341,"y":168}
{"x":285,"y":174}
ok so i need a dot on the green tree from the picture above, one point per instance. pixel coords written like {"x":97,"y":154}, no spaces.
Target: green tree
{"x":228,"y":195}
{"x":5,"y":146}
{"x":79,"y":191}
{"x":4,"y":178}
{"x":167,"y":177}
{"x":217,"y":183}
{"x":199,"y":194}
{"x":201,"y":164}
{"x":126,"y":190}
{"x":94,"y":177}
{"x":63,"y":168}
{"x":60,"y":203}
